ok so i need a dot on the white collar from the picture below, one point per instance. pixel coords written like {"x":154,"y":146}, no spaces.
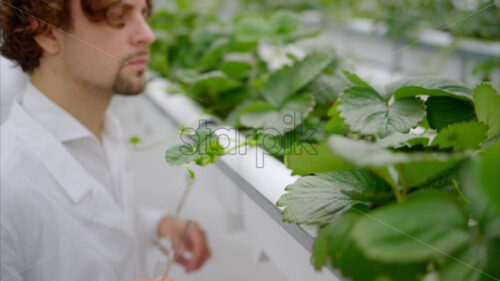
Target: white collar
{"x":64,"y":126}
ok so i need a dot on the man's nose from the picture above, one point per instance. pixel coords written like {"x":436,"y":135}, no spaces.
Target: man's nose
{"x":143,"y":34}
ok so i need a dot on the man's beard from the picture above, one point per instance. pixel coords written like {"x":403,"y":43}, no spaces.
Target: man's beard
{"x":124,"y":86}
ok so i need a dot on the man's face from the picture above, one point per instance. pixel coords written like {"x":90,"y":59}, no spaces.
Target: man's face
{"x":110,"y":58}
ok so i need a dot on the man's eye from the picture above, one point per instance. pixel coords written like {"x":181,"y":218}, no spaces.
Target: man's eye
{"x":116,"y":21}
{"x":115,"y":16}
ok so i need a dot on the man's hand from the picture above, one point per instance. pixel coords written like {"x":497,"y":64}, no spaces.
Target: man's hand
{"x":159,"y":278}
{"x":196,"y":242}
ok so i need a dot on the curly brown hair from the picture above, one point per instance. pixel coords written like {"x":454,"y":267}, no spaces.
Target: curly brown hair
{"x":16,"y":38}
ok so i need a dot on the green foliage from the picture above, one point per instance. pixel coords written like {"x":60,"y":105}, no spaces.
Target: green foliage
{"x":398,"y":140}
{"x":285,"y":22}
{"x":252,"y":29}
{"x":460,"y":136}
{"x":275,"y":120}
{"x":487,"y":103}
{"x":282,"y":84}
{"x":335,"y":125}
{"x":403,"y":182}
{"x":315,"y":159}
{"x":393,"y":234}
{"x":370,"y":113}
{"x":135,"y":140}
{"x":486,"y":170}
{"x":219,"y":67}
{"x":405,"y":17}
{"x":319,"y":198}
{"x":444,"y":111}
{"x":483,"y":179}
{"x":429,"y":86}
{"x":473,"y":263}
{"x":336,"y":242}
{"x":204,"y":149}
{"x":366,"y":112}
{"x":237,"y":65}
{"x":413,"y":169}
{"x":425,"y":221}
{"x":213,"y":83}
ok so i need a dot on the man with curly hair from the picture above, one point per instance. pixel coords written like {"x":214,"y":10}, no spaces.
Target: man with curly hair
{"x":66,"y":213}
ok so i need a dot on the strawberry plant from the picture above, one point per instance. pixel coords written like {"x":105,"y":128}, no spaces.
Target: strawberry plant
{"x":394,"y":204}
{"x":403,"y":181}
{"x":252,"y":74}
{"x":398,"y":205}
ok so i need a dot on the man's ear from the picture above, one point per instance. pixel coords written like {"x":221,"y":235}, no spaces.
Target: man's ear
{"x":47,"y":39}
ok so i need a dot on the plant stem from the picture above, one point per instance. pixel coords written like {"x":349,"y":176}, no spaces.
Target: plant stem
{"x":236,"y":147}
{"x":157,"y":143}
{"x":457,"y":188}
{"x":395,"y":189}
{"x":405,"y":188}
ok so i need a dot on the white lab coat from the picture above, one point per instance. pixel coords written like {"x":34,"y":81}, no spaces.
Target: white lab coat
{"x":58,"y":222}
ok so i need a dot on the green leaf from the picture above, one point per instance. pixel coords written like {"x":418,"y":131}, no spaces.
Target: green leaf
{"x":428,"y":86}
{"x":319,"y":254}
{"x":135,"y":140}
{"x":276,"y":121}
{"x":233,"y":118}
{"x":335,"y":242}
{"x":317,"y":159}
{"x":205,"y":34}
{"x":214,"y":55}
{"x":285,"y":82}
{"x":305,"y":32}
{"x":461,"y":136}
{"x":430,"y":224}
{"x":335,"y":125}
{"x":232,"y":97}
{"x":478,"y":262}
{"x":187,"y":76}
{"x":191,"y":172}
{"x":487,"y":168}
{"x":420,"y":171}
{"x":312,"y":130}
{"x":237,"y":65}
{"x":380,"y":195}
{"x":277,"y":145}
{"x":252,"y":29}
{"x":444,"y":111}
{"x":285,"y":22}
{"x":481,"y":185}
{"x":366,"y":112}
{"x":414,"y":169}
{"x":180,"y":154}
{"x":398,"y":140}
{"x":487,"y":102}
{"x":366,"y":154}
{"x":213,"y":82}
{"x":320,"y":198}
{"x":210,"y":154}
{"x":356,"y":80}
{"x":205,"y":149}
{"x":326,"y":88}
